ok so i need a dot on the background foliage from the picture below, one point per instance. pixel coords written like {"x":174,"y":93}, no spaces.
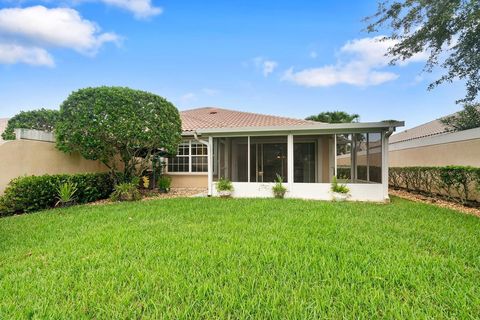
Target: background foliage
{"x":107,"y":123}
{"x":468,"y":118}
{"x":41,"y":119}
{"x":335,"y":117}
{"x":441,"y":28}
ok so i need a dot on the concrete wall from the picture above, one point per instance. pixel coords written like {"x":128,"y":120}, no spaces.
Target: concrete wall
{"x":189,"y":180}
{"x":458,"y":148}
{"x":465,"y":153}
{"x":313,"y":191}
{"x":26,"y":157}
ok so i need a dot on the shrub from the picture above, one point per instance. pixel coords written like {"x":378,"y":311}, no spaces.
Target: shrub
{"x":126,"y":191}
{"x":457,"y":183}
{"x":164,"y":183}
{"x":279,"y":189}
{"x":224,"y":188}
{"x":121,"y":127}
{"x":224,"y":184}
{"x":338,"y":188}
{"x":33,"y":193}
{"x":145,"y":182}
{"x":66,"y":192}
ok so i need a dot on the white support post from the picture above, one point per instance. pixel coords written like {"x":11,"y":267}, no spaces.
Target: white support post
{"x":385,"y":165}
{"x":210,"y":165}
{"x":334,"y":155}
{"x":248,"y":158}
{"x":368,"y":157}
{"x":290,"y":160}
{"x":190,"y":156}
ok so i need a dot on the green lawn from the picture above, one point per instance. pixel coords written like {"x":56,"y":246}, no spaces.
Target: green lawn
{"x":226,"y":258}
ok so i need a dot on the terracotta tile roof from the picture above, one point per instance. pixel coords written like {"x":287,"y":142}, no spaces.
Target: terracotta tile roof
{"x":428,"y":129}
{"x":212,"y":117}
{"x":3,"y":126}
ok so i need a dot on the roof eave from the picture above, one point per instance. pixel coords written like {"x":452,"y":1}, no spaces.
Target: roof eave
{"x":312,"y":128}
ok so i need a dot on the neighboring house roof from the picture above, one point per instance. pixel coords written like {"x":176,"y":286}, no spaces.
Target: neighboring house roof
{"x":212,"y":117}
{"x":3,"y":126}
{"x":428,"y":129}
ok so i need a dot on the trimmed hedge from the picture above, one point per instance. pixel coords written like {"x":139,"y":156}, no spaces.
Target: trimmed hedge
{"x":457,"y":183}
{"x":33,"y":193}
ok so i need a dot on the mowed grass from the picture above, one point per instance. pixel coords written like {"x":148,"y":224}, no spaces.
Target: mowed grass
{"x":241,"y":258}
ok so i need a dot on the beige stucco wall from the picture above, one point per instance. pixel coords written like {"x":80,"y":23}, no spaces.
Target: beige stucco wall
{"x":189,"y":181}
{"x":325,"y":154}
{"x":462,"y":153}
{"x":26,"y":157}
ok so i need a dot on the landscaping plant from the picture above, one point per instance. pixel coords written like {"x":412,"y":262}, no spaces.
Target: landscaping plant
{"x":126,"y":191}
{"x":123,"y":128}
{"x":145,"y":182}
{"x":457,"y":183}
{"x":340,"y":191}
{"x":164,"y":183}
{"x":279,"y":189}
{"x":66,"y":192}
{"x":224,"y":187}
{"x":33,"y":193}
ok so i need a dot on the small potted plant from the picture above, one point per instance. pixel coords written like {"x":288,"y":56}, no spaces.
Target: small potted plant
{"x":66,"y":194}
{"x":340,"y":192}
{"x":224,"y":188}
{"x":279,"y":189}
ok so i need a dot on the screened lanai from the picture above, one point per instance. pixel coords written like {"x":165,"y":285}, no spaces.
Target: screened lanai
{"x":353,"y":158}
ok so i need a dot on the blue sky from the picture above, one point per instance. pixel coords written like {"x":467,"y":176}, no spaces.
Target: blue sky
{"x":292,"y":58}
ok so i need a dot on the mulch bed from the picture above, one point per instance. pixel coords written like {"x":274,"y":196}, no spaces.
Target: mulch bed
{"x":155,"y":194}
{"x":435,"y":201}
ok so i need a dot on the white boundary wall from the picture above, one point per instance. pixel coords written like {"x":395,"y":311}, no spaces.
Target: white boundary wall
{"x":314,"y":191}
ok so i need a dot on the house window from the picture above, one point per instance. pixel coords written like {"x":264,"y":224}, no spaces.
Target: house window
{"x":199,"y":157}
{"x":191,"y":157}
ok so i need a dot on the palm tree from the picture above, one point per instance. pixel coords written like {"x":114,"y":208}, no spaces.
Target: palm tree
{"x":335,"y":117}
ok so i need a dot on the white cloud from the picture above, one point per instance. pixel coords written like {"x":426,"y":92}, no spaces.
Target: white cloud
{"x":12,"y":53}
{"x":313,"y":54}
{"x":188,"y":97}
{"x":360,"y":63}
{"x":210,"y":92}
{"x":57,"y":27}
{"x":267,"y":66}
{"x":141,"y":9}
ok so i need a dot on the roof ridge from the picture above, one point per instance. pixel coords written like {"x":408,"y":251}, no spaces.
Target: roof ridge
{"x":248,"y":112}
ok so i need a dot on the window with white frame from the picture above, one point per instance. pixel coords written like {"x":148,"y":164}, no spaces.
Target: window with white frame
{"x":199,"y":157}
{"x":191,"y":157}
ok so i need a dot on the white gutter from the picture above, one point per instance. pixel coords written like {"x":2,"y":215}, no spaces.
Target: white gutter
{"x":319,"y":127}
{"x":195,"y":136}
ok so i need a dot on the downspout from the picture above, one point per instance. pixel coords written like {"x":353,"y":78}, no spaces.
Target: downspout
{"x":209,"y":159}
{"x":195,"y":136}
{"x":390,"y":131}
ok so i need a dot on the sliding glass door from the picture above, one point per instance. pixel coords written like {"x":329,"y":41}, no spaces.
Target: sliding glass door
{"x":268,"y":157}
{"x":304,"y":162}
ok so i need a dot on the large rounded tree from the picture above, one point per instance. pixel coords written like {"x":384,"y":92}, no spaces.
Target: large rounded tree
{"x":116,"y":124}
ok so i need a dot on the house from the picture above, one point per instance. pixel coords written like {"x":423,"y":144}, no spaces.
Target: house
{"x":251,"y":149}
{"x":431,"y":144}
